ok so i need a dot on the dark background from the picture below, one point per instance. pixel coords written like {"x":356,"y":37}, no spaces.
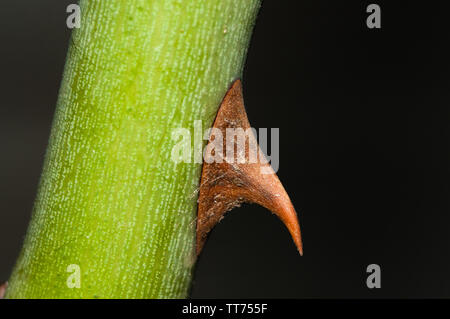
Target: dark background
{"x":364,"y":131}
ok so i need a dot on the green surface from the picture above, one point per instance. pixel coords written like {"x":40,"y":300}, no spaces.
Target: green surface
{"x":110,"y":199}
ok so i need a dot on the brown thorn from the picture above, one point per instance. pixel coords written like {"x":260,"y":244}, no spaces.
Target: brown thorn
{"x":3,"y":289}
{"x":227,"y":184}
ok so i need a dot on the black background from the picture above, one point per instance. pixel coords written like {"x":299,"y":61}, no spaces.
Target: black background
{"x":364,"y":147}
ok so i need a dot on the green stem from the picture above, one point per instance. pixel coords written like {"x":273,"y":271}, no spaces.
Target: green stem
{"x":111,"y":200}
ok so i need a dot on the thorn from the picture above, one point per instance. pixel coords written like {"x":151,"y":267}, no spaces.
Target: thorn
{"x":228,"y":182}
{"x":3,"y":289}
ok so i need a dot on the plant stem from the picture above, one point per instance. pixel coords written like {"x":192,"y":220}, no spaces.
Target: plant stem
{"x":111,"y":200}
